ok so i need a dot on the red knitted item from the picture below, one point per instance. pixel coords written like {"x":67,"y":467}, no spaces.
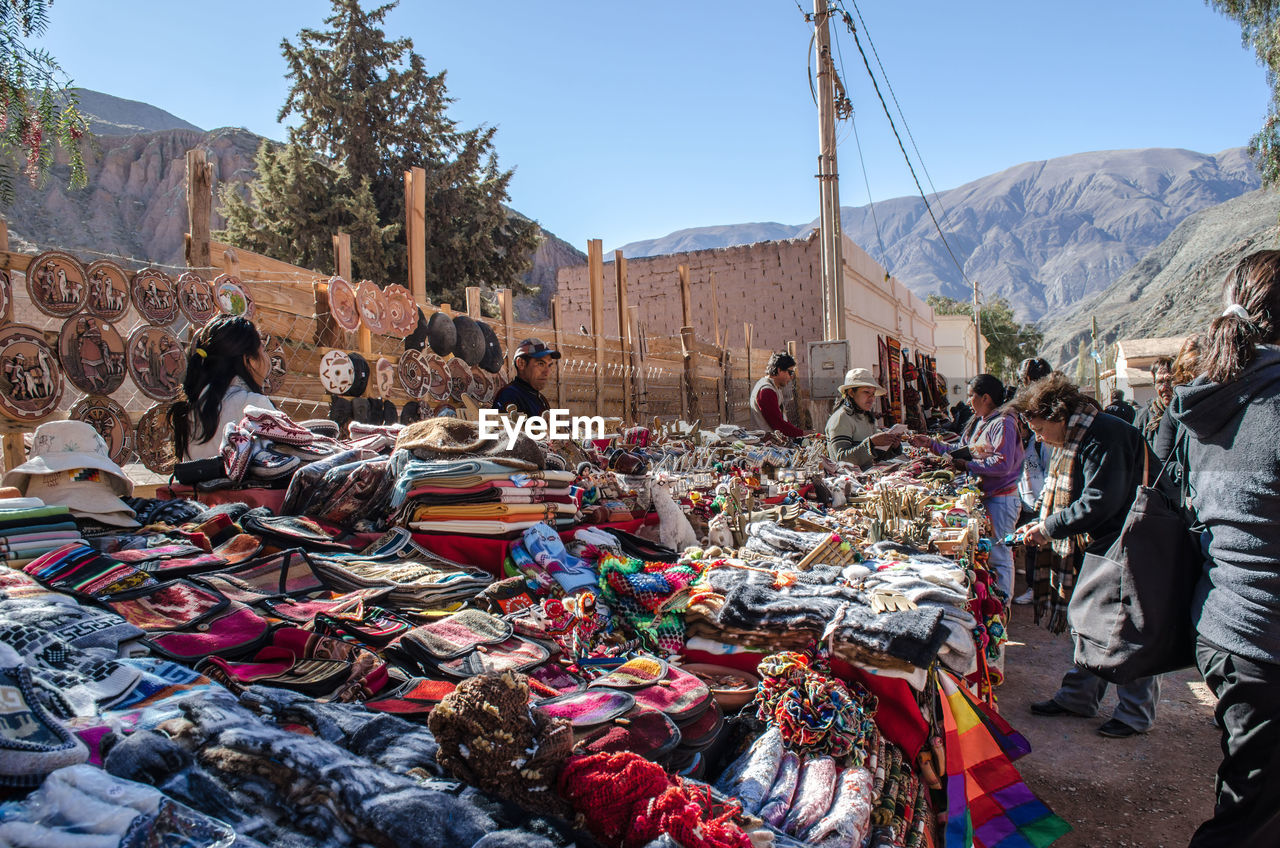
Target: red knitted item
{"x":628,"y":801}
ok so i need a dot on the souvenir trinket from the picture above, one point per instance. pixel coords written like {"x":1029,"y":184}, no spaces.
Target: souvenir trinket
{"x":92,"y":354}
{"x":156,"y":361}
{"x":154,"y":439}
{"x":413,"y":373}
{"x":56,"y":283}
{"x":337,"y":374}
{"x":109,"y":419}
{"x":343,"y":305}
{"x":6,"y":295}
{"x":437,"y":382}
{"x":273,"y":347}
{"x":30,"y":382}
{"x":402,"y":313}
{"x":232,"y":296}
{"x":195,"y":298}
{"x":155,"y":296}
{"x":373,"y":306}
{"x":108,"y":296}
{"x":459,"y":378}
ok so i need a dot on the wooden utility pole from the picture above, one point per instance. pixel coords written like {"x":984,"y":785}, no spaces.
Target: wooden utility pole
{"x":977,"y":330}
{"x":595,"y":272}
{"x":199,"y":207}
{"x":1093,"y":354}
{"x":415,"y":231}
{"x":828,"y":179}
{"x":624,"y":334}
{"x":557,"y":331}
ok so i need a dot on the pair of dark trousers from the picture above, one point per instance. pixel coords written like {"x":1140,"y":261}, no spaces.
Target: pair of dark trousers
{"x":1247,"y":812}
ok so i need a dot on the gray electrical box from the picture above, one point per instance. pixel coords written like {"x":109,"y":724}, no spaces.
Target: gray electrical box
{"x":828,"y":362}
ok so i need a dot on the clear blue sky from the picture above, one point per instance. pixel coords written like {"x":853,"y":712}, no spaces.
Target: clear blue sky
{"x":628,"y":120}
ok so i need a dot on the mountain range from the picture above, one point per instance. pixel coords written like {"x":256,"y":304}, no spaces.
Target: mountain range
{"x":1049,"y":236}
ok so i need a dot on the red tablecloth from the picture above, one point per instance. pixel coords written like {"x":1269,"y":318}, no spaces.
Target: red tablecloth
{"x":272,"y":499}
{"x":898,"y":715}
{"x":487,"y":553}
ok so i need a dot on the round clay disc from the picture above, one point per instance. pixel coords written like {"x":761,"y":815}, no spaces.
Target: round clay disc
{"x":373,"y":306}
{"x":342,"y":305}
{"x":155,"y":296}
{"x":402,"y":314}
{"x":6,"y":294}
{"x":413,"y":373}
{"x":232,"y":296}
{"x":30,"y":382}
{"x":337,"y":374}
{"x":109,"y":419}
{"x":92,"y":354}
{"x":195,"y":298}
{"x":273,"y":346}
{"x":154,"y":439}
{"x":437,"y":382}
{"x":156,"y":361}
{"x":57,"y":284}
{"x":459,"y":378}
{"x":108,"y":296}
{"x":385,"y":375}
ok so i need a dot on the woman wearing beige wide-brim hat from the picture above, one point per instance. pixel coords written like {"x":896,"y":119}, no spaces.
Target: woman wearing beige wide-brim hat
{"x":852,"y":434}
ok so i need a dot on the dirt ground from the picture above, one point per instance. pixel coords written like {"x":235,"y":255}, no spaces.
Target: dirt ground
{"x":1151,"y":791}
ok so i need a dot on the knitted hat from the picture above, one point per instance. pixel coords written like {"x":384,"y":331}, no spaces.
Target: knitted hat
{"x":486,"y":733}
{"x":441,"y":334}
{"x":32,"y":742}
{"x":450,"y":438}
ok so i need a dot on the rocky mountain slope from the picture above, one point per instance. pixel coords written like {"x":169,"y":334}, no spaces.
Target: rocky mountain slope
{"x":1041,"y":234}
{"x":1176,"y":288}
{"x":135,"y":203}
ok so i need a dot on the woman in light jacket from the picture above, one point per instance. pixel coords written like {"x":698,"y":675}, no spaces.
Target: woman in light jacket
{"x":852,"y":434}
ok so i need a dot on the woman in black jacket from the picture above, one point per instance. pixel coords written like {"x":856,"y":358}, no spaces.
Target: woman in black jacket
{"x":1097,"y":465}
{"x":1232,"y":415}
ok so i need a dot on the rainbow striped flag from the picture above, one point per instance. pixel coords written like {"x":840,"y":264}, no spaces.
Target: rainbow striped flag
{"x":988,"y":805}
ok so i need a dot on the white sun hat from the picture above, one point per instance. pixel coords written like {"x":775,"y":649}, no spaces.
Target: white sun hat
{"x":60,"y":446}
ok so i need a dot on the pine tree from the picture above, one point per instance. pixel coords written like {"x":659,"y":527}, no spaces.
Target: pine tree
{"x":1260,"y":28}
{"x":369,"y":108}
{"x":38,"y":109}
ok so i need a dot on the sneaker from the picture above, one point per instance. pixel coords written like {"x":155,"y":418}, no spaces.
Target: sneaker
{"x":1116,"y":729}
{"x":1051,"y":708}
{"x":1025,"y":598}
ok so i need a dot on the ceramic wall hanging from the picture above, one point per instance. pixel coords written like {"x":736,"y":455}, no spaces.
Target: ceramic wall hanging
{"x":459,"y":378}
{"x":385,"y":374}
{"x":109,"y":419}
{"x":273,"y":346}
{"x":155,"y":296}
{"x":156,"y":361}
{"x":437,"y":383}
{"x":402,"y":313}
{"x":56,"y":283}
{"x":92,"y":354}
{"x":337,"y":374}
{"x":342,"y":305}
{"x":30,"y":382}
{"x":154,"y":439}
{"x":232,"y":296}
{"x":108,"y":296}
{"x":373,"y":306}
{"x":195,"y":298}
{"x":6,"y":295}
{"x":413,"y":373}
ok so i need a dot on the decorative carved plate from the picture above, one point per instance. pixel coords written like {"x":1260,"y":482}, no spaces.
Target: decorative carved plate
{"x":92,"y":354}
{"x":342,"y":305}
{"x":437,"y":382}
{"x":413,"y":373}
{"x":273,"y":346}
{"x":155,"y":295}
{"x":373,"y":306}
{"x":6,"y":294}
{"x":108,"y":296}
{"x":232,"y":296}
{"x":109,"y":419}
{"x":446,"y":410}
{"x":30,"y":382}
{"x":479,"y":383}
{"x":337,"y":374}
{"x":402,"y":312}
{"x":154,"y":442}
{"x":195,"y":298}
{"x":56,"y":282}
{"x":384,"y":373}
{"x":459,"y":378}
{"x":156,"y":361}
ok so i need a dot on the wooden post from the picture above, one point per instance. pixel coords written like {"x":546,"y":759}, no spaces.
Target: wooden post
{"x":342,"y":256}
{"x":4,"y":246}
{"x":797,"y":404}
{"x":691,"y":407}
{"x":715,"y":309}
{"x":415,"y":231}
{"x":508,"y":318}
{"x":473,"y":302}
{"x":686,"y":310}
{"x":558,"y":331}
{"x":199,"y":208}
{"x":15,"y":452}
{"x":595,"y":270}
{"x":624,"y":335}
{"x":746,"y":331}
{"x":637,"y":364}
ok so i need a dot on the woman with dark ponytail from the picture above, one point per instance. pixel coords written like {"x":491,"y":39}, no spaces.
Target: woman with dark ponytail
{"x":225,"y":369}
{"x":1230,"y":416}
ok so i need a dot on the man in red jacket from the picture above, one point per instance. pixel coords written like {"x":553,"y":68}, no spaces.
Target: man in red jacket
{"x":766,"y":397}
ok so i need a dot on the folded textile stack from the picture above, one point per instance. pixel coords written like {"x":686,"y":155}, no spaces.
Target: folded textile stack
{"x":481,"y":496}
{"x":29,"y":529}
{"x":415,"y":577}
{"x":71,"y":466}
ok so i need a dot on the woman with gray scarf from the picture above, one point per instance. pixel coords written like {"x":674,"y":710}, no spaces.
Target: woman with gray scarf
{"x":1232,"y":414}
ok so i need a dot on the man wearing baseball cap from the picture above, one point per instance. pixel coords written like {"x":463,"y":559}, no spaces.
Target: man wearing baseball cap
{"x":532,"y":359}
